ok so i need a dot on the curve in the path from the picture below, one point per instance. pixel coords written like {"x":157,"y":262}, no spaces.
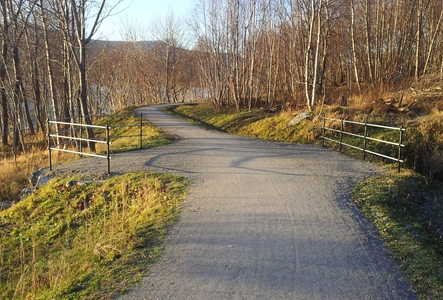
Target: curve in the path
{"x":262,"y":220}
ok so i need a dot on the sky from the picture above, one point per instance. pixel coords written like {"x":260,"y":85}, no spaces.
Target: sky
{"x":137,"y":15}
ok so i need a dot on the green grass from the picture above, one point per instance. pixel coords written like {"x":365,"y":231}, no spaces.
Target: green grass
{"x":125,"y":133}
{"x":256,"y":123}
{"x":89,"y":241}
{"x":15,"y":172}
{"x":86,"y":241}
{"x":407,"y":210}
{"x":93,"y":241}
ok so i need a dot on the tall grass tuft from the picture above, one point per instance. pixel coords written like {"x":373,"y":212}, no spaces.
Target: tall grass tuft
{"x":15,"y":172}
{"x":85,"y":241}
{"x":424,"y":150}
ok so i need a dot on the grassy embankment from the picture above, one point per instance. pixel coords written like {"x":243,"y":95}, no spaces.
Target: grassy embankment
{"x":406,"y":208}
{"x":15,"y":172}
{"x":87,"y":241}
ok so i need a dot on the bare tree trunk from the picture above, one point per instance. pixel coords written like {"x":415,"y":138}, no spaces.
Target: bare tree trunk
{"x":82,"y":42}
{"x":49,"y":68}
{"x":431,"y":44}
{"x":169,"y":56}
{"x":309,"y":54}
{"x":378,"y":40}
{"x":354,"y":54}
{"x":368,"y":42}
{"x":3,"y":74}
{"x":270,"y":52}
{"x":20,"y":90}
{"x":79,"y":14}
{"x":311,"y":68}
{"x":34,"y":69}
{"x":316,"y":58}
{"x":37,"y":93}
{"x":69,"y":91}
{"x":418,"y":39}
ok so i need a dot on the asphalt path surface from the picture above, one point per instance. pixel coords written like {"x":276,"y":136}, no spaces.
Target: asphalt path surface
{"x":262,"y":220}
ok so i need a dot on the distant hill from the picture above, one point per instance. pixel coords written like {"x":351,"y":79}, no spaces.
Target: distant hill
{"x":113,"y":45}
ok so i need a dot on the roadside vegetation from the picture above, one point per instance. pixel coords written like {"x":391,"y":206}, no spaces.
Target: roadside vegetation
{"x":258,"y":123}
{"x":125,"y":132}
{"x":407,"y":210}
{"x":405,"y":207}
{"x":357,"y":60}
{"x":16,"y":169}
{"x":74,"y":239}
{"x":85,"y":241}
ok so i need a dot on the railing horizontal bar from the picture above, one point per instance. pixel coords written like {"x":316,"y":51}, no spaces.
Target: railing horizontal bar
{"x":124,"y":136}
{"x":387,"y":127}
{"x":354,"y":134}
{"x":345,"y":132}
{"x":352,"y":146}
{"x":332,"y":129}
{"x":367,"y":151}
{"x":355,"y":123}
{"x":331,"y":140}
{"x":368,"y":124}
{"x":76,"y":124}
{"x":77,"y":139}
{"x":384,"y":156}
{"x":82,"y":153}
{"x":383,"y":141}
{"x":368,"y":138}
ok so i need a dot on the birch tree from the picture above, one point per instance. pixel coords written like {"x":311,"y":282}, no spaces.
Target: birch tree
{"x":171,"y":32}
{"x":76,"y":14}
{"x":354,"y":51}
{"x":313,"y":52}
{"x":3,"y":71}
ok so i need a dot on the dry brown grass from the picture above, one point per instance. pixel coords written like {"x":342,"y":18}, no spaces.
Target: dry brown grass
{"x":424,"y":151}
{"x":416,"y":105}
{"x":16,"y":171}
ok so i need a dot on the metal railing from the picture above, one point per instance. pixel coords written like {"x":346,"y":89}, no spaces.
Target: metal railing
{"x":365,"y":138}
{"x":78,"y":129}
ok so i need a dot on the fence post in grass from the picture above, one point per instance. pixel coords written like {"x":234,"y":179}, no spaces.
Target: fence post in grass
{"x":141,"y":131}
{"x":48,"y":130}
{"x":364,"y":140}
{"x":341,"y":135}
{"x":107,"y":149}
{"x":400,"y":142}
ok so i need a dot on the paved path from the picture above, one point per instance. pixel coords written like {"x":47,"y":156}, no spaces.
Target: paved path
{"x":263,"y":220}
